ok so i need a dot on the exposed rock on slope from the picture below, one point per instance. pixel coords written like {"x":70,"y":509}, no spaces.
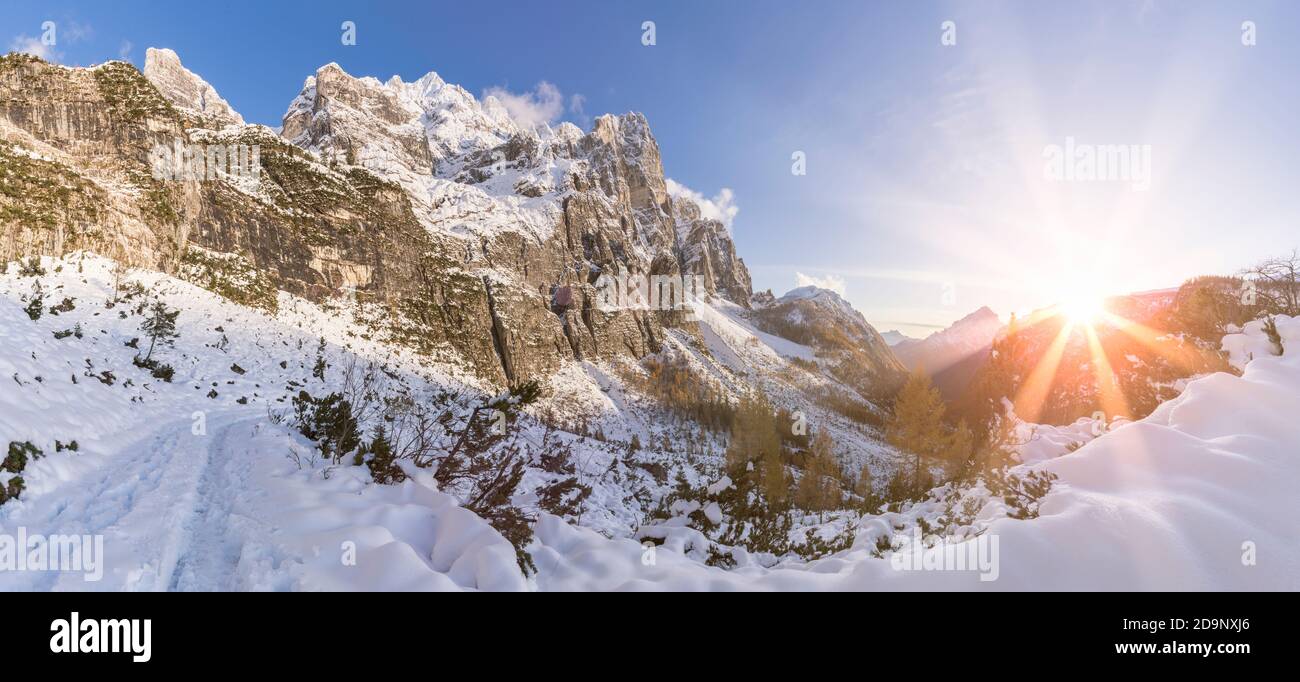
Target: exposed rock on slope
{"x":75,"y":144}
{"x":850,"y":348}
{"x":707,"y":250}
{"x":542,"y":210}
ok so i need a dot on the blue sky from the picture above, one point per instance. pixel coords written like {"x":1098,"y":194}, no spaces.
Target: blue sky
{"x":925,"y":195}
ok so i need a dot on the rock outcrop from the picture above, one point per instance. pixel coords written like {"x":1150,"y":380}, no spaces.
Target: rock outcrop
{"x":707,"y":250}
{"x":187,"y":91}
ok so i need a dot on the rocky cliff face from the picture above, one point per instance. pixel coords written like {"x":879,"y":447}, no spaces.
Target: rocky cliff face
{"x":533,"y":211}
{"x":75,"y":145}
{"x":459,"y":232}
{"x":186,"y":91}
{"x":706,"y":249}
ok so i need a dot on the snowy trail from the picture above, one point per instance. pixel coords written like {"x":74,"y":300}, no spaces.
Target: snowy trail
{"x":228,"y":511}
{"x":163,"y":505}
{"x":210,"y":550}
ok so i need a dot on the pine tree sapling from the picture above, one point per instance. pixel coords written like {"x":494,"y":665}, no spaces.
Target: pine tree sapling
{"x":36,"y":304}
{"x":1021,"y":492}
{"x":318,"y":371}
{"x":379,"y":458}
{"x":18,"y":456}
{"x":328,"y":421}
{"x":31,"y":268}
{"x":12,"y":489}
{"x":159,"y":325}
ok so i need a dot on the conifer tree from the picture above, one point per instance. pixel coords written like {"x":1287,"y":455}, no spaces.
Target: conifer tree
{"x":775,"y":486}
{"x":753,"y":435}
{"x":379,"y":457}
{"x":819,"y":490}
{"x":318,"y":370}
{"x":863,"y":487}
{"x":36,"y":306}
{"x":159,"y":325}
{"x":916,"y":425}
{"x":961,"y":448}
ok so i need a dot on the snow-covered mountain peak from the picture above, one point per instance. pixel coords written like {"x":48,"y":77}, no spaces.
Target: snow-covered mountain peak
{"x":816,"y":293}
{"x":449,"y":118}
{"x":984,"y":313}
{"x":631,"y":131}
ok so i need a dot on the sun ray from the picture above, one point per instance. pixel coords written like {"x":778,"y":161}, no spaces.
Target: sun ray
{"x":1113,"y":402}
{"x":1033,"y":393}
{"x":1184,"y":357}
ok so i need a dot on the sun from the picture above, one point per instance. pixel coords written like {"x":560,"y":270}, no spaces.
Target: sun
{"x":1083,"y":308}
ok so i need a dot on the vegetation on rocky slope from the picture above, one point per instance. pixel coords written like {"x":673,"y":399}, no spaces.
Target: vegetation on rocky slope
{"x":231,"y":276}
{"x":40,"y":194}
{"x":130,"y":97}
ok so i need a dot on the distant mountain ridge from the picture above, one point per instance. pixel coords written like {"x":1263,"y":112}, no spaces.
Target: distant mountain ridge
{"x":894,"y":337}
{"x":947,"y":347}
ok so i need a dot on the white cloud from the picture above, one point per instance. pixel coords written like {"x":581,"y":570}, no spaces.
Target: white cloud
{"x":544,"y":104}
{"x":124,"y":52}
{"x":722,"y":207}
{"x":829,"y":282}
{"x":578,"y":110}
{"x":33,"y":46}
{"x":74,"y":32}
{"x":53,"y":34}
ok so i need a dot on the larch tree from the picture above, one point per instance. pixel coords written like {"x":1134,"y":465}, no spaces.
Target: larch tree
{"x":819,"y":490}
{"x":916,"y":426}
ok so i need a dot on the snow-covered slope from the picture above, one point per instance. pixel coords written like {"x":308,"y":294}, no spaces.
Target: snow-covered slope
{"x":190,"y":483}
{"x":195,"y":486}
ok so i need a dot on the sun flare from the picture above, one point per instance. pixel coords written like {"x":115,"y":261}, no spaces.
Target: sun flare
{"x":1083,"y":308}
